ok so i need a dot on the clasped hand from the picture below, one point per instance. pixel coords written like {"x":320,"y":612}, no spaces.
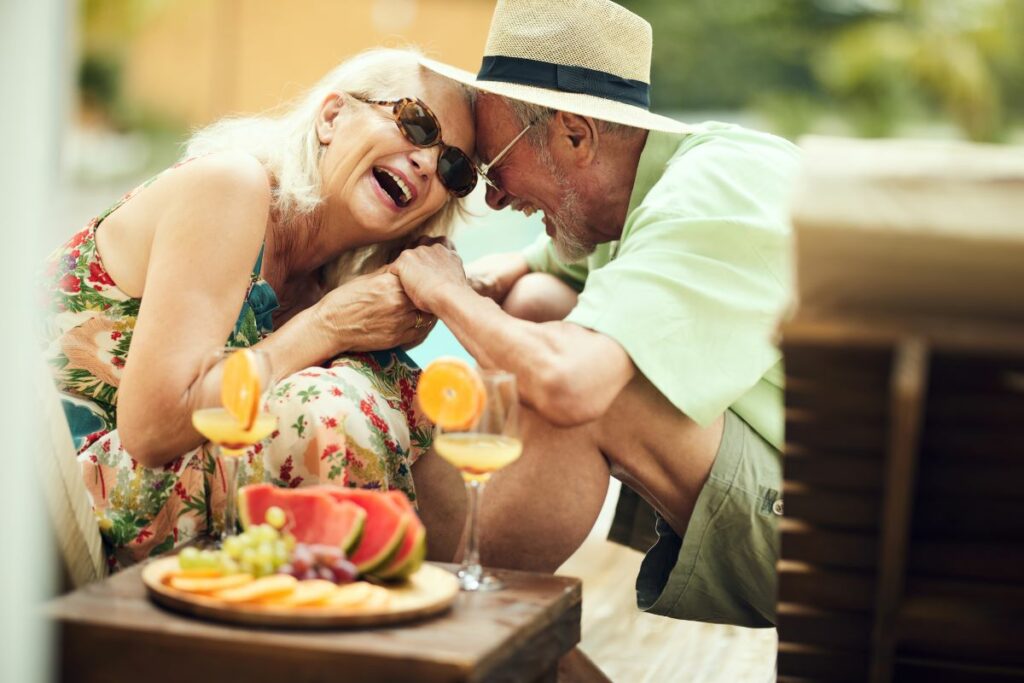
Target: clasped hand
{"x":371,"y":313}
{"x":427,"y":272}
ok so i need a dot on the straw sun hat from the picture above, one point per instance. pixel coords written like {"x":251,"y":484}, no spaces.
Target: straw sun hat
{"x":587,"y":57}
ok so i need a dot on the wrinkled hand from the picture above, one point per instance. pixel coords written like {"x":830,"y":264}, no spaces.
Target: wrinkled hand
{"x":494,"y":275}
{"x":424,"y":241}
{"x":427,"y":272}
{"x":372,"y":312}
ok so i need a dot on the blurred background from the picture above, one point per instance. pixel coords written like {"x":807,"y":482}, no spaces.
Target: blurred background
{"x":100,"y":94}
{"x":145,"y":72}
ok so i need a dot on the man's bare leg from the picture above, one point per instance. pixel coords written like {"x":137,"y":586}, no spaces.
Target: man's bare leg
{"x":537,"y":512}
{"x":539,"y":297}
{"x":534,"y":513}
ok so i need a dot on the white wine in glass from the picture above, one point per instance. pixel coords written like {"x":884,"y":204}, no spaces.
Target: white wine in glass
{"x":481,"y":448}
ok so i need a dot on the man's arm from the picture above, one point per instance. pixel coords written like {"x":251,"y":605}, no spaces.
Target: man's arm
{"x":568,"y":373}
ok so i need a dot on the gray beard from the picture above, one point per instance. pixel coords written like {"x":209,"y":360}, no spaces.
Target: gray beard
{"x":570,"y":240}
{"x":569,"y":243}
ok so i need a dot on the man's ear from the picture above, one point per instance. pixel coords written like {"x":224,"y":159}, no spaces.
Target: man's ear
{"x":329,"y":109}
{"x":580,"y":135}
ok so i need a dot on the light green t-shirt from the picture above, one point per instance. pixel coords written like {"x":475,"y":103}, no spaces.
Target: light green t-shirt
{"x":694,"y":287}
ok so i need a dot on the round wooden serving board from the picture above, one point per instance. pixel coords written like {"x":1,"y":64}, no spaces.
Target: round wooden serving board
{"x":429,"y":591}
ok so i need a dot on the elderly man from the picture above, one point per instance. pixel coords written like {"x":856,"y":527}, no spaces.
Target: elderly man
{"x":639,"y":328}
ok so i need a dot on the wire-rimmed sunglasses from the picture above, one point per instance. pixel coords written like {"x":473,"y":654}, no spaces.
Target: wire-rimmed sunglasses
{"x":420,"y":126}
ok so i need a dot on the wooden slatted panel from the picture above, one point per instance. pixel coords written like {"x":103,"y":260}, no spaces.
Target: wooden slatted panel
{"x":841,"y":473}
{"x":821,"y":664}
{"x":836,"y":433}
{"x":914,"y":670}
{"x":827,"y":547}
{"x":825,"y":628}
{"x":833,"y":509}
{"x":806,"y":584}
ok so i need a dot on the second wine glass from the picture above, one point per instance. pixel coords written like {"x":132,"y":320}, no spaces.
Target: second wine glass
{"x":478,"y":450}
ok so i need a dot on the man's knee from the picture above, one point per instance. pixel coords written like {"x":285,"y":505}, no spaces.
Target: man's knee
{"x":539,"y":297}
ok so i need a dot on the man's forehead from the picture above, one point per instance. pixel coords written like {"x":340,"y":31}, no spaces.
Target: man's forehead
{"x":495,"y":122}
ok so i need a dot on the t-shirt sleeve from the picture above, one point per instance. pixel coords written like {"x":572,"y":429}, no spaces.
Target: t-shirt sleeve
{"x":541,"y":258}
{"x":702,"y":275}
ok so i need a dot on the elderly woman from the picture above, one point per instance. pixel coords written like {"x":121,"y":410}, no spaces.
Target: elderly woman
{"x":271,"y":233}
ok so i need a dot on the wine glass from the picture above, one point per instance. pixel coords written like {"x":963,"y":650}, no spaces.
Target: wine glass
{"x":478,"y":450}
{"x":230,"y":437}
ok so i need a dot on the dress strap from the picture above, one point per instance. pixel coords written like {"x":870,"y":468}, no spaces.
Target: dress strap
{"x":258,"y":268}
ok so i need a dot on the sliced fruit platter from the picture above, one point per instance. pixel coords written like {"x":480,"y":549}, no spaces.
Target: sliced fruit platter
{"x":318,"y":556}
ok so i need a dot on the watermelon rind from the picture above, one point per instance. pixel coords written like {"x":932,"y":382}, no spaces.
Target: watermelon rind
{"x":401,"y":569}
{"x":387,"y":553}
{"x":372,"y":498}
{"x":350,"y":544}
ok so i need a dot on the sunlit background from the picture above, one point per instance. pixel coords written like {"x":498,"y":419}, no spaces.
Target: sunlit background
{"x":121,"y":83}
{"x":148,"y":71}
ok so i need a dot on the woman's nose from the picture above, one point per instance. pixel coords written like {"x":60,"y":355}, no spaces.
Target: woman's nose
{"x":424,"y":160}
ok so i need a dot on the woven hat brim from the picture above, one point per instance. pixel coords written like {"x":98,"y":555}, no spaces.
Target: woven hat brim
{"x":574,"y":103}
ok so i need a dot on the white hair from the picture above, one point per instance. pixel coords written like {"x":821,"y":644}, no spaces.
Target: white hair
{"x":286,"y":143}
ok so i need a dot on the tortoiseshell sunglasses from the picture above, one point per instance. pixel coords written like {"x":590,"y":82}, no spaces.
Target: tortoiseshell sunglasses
{"x":420,"y":126}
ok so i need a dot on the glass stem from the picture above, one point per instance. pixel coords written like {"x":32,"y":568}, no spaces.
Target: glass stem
{"x":229,"y":461}
{"x":471,"y":556}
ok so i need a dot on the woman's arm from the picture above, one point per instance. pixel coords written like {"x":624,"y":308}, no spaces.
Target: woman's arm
{"x":210,"y":219}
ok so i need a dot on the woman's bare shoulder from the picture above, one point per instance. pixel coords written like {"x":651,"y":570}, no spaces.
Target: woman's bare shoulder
{"x":223,"y":177}
{"x":209,"y":200}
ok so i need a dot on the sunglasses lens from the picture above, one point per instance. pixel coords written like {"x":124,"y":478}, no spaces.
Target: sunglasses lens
{"x":456,"y":172}
{"x":419,"y":125}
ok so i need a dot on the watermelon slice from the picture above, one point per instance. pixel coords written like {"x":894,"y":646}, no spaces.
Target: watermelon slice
{"x":413,"y":549}
{"x":312,"y":516}
{"x":386,"y":524}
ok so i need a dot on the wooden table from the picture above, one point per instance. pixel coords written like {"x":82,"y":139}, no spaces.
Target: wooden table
{"x":110,"y":631}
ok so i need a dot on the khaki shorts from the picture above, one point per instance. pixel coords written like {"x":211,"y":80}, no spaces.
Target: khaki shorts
{"x":723,"y":569}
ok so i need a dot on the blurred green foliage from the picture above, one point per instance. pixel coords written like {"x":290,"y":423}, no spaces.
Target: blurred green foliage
{"x":877,"y":65}
{"x":106,"y":28}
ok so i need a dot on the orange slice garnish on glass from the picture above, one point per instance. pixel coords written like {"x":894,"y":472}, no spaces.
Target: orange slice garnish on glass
{"x":451,"y":393}
{"x":240,"y":387}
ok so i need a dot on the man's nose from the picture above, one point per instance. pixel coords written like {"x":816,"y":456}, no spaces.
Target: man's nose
{"x":497,"y":199}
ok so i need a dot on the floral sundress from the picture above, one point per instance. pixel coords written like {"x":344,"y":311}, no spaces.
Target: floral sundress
{"x":353,"y":422}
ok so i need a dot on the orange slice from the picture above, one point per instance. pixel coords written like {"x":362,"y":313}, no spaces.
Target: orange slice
{"x":240,"y":387}
{"x":265,"y":587}
{"x":451,"y":393}
{"x":209,"y":584}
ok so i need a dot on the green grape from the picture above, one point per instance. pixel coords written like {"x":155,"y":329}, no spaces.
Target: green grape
{"x":289,"y":542}
{"x":209,"y":559}
{"x":265,"y":568}
{"x":265,"y":553}
{"x":189,"y":558}
{"x":275,"y":517}
{"x":233,"y":547}
{"x":266,"y":533}
{"x":248,"y":566}
{"x":281,"y":553}
{"x":228,"y":565}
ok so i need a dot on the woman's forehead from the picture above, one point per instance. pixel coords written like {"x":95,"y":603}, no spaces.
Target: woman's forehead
{"x":449,"y":103}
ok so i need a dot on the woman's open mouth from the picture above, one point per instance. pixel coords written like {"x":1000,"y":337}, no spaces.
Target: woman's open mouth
{"x":394,"y":186}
